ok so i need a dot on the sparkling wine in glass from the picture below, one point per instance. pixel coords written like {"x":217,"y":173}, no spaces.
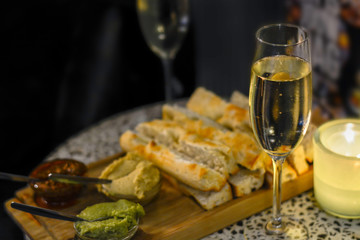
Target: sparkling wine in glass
{"x":280,"y":101}
{"x":164,"y":24}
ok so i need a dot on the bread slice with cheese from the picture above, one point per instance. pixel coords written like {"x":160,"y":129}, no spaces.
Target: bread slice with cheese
{"x":207,"y":200}
{"x":183,"y":168}
{"x":208,"y":104}
{"x":242,"y":143}
{"x":210,"y":152}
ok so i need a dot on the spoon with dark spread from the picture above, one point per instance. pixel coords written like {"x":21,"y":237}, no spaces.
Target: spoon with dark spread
{"x":55,"y":177}
{"x":18,"y":178}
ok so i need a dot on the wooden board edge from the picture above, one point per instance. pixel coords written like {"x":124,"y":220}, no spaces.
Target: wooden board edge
{"x":26,"y":222}
{"x":224,"y":216}
{"x":221,"y":216}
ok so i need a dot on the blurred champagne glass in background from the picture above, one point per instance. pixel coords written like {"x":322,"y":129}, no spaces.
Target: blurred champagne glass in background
{"x":164,"y":24}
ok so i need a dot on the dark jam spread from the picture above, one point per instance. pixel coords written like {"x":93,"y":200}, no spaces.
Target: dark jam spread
{"x":53,"y":194}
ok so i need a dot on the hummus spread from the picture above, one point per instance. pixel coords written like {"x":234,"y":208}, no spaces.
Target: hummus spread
{"x":122,"y":216}
{"x":134,"y":178}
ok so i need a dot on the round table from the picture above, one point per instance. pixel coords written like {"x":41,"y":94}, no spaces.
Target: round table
{"x":102,"y":140}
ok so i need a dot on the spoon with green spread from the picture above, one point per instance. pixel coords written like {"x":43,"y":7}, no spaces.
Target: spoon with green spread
{"x":44,"y":212}
{"x":123,"y":224}
{"x":101,"y":221}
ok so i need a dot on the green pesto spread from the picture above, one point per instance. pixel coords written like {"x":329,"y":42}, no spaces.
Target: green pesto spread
{"x":122,"y":214}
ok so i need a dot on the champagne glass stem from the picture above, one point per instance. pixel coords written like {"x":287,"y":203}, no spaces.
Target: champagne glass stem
{"x":168,"y":76}
{"x":275,"y":226}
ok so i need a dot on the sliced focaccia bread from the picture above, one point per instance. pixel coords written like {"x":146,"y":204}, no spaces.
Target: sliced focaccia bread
{"x":246,"y":181}
{"x":307,"y":143}
{"x":207,"y":200}
{"x":208,"y":104}
{"x":298,"y":161}
{"x":164,"y":131}
{"x":288,"y":172}
{"x":236,"y":118}
{"x":212,"y":153}
{"x":241,"y":143}
{"x":181,"y":114}
{"x":239,"y":100}
{"x":298,"y":156}
{"x":183,"y":168}
{"x":244,"y":147}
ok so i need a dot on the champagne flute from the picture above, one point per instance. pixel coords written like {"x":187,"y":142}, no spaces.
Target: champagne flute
{"x":164,"y":24}
{"x":280,"y":102}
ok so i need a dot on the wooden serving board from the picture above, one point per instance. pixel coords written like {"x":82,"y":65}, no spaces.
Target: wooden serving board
{"x":171,"y":215}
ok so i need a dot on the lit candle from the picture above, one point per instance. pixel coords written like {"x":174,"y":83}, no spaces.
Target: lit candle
{"x":337,"y":167}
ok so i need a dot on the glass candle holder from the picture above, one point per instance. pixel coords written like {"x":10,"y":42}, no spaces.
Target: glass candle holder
{"x":337,"y":167}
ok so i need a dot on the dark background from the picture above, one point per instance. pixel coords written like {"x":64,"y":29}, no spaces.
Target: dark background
{"x":69,"y":64}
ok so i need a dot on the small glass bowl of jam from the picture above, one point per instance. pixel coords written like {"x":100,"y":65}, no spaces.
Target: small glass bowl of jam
{"x":51,"y":194}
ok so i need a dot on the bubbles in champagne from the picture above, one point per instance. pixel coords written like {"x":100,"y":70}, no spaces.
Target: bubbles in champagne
{"x":280,"y":102}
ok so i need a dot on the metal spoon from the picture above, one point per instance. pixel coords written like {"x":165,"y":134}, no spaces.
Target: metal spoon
{"x":17,"y":178}
{"x":55,"y":177}
{"x":44,"y":212}
{"x":77,"y":179}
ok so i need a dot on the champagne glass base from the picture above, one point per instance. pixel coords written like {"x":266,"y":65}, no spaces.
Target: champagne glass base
{"x":289,"y":229}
